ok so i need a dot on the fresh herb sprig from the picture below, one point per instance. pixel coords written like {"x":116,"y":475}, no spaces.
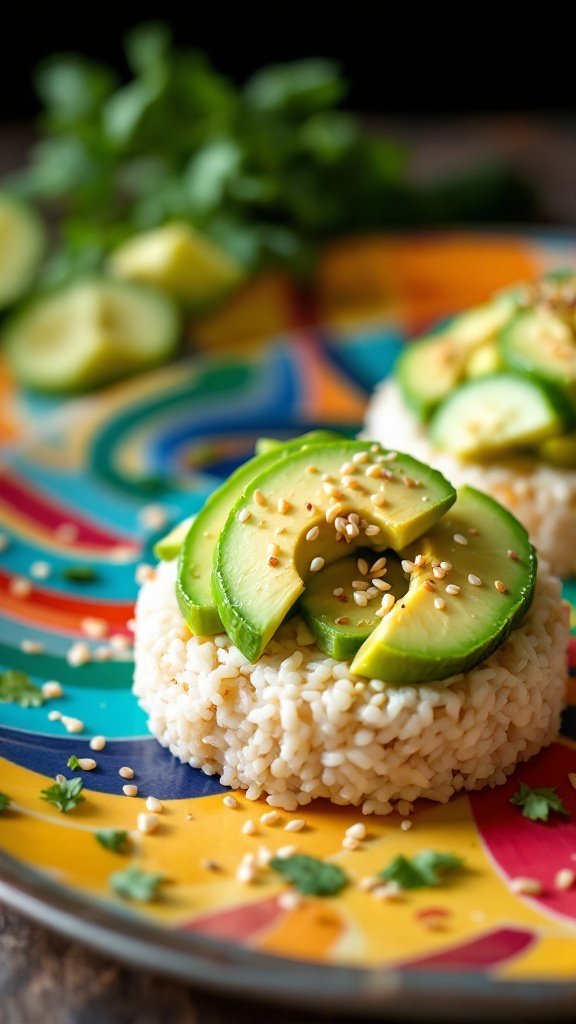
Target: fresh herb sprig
{"x":65,"y":795}
{"x":113,"y":839}
{"x":538,"y":803}
{"x":137,"y":885}
{"x":427,"y":868}
{"x":18,"y":688}
{"x":311,"y":876}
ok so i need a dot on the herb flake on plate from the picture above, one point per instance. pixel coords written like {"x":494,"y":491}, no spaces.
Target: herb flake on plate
{"x":80,"y":573}
{"x":18,"y":688}
{"x":4,"y":802}
{"x":135,"y":884}
{"x":310,"y":876}
{"x":73,"y":763}
{"x":64,"y":795}
{"x":116,"y":840}
{"x":422,"y":870}
{"x":537,"y":803}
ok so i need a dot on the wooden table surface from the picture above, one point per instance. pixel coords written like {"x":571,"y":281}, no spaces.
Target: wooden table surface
{"x":46,"y":979}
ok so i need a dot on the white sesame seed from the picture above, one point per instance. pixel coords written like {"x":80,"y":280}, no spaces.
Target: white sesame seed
{"x":347,"y":469}
{"x":378,"y":499}
{"x":313,"y":533}
{"x":244,"y":515}
{"x":390,"y":891}
{"x":153,"y":805}
{"x":380,"y":563}
{"x":360,"y":598}
{"x":360,"y":584}
{"x":372,"y":592}
{"x":406,"y":825}
{"x":474,"y":580}
{"x":78,"y":654}
{"x":153,"y":517}
{"x":452,"y":589}
{"x":126,"y":772}
{"x":338,"y":592}
{"x":362,"y":566}
{"x":360,"y":457}
{"x":55,"y":716}
{"x":333,"y":513}
{"x":296,"y":825}
{"x":388,"y":602}
{"x":19,"y":586}
{"x":29,"y":646}
{"x":460,"y":538}
{"x":93,"y":627}
{"x":120,"y":642}
{"x":286,"y":851}
{"x":438,"y":572}
{"x":264,"y":856}
{"x":388,"y":457}
{"x":373,"y":471}
{"x":283,"y":506}
{"x":86,"y":764}
{"x":245,"y":874}
{"x":447,"y":566}
{"x":73,"y":725}
{"x":350,"y":843}
{"x":248,"y":828}
{"x":290,"y":900}
{"x":259,"y":497}
{"x":500,"y":587}
{"x":369,"y":882}
{"x":526,"y":886}
{"x":372,"y":530}
{"x":52,"y":690}
{"x":420,"y":561}
{"x":375,"y":448}
{"x":40,"y":570}
{"x":144,"y":573}
{"x":316,"y":564}
{"x":439,"y":603}
{"x":381,"y":584}
{"x":357,"y":831}
{"x":340,"y":524}
{"x":564,"y":879}
{"x":97,"y":743}
{"x":327,"y":478}
{"x":270,"y":818}
{"x":130,"y":790}
{"x":230,"y":801}
{"x":352,"y":530}
{"x":407,"y":565}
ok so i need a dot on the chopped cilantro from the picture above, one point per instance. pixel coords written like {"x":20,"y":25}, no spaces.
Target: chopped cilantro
{"x":113,"y":839}
{"x":18,"y":688}
{"x":424,"y":869}
{"x":4,"y":802}
{"x":80,"y":574}
{"x":64,"y":795}
{"x":311,"y":876}
{"x":537,"y":803}
{"x":73,"y":763}
{"x":135,"y":884}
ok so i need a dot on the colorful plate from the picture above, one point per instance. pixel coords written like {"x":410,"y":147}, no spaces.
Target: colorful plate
{"x":76,"y":489}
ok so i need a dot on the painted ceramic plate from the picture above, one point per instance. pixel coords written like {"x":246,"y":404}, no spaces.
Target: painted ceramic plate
{"x":85,"y":490}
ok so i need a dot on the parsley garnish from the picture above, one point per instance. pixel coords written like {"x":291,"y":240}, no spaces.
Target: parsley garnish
{"x":73,"y":763}
{"x":64,"y":795}
{"x":18,"y":688}
{"x":4,"y":802}
{"x":536,"y":804}
{"x":311,"y":876}
{"x":134,"y":884}
{"x":113,"y":839}
{"x":424,"y":869}
{"x":80,"y":573}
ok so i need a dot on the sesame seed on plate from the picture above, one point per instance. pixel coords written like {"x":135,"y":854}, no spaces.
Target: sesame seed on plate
{"x":270,"y":818}
{"x":474,"y":580}
{"x":564,"y":879}
{"x":55,"y":716}
{"x":259,"y":497}
{"x":389,"y":891}
{"x":20,"y":586}
{"x":369,"y":882}
{"x":126,"y":772}
{"x":244,"y":515}
{"x":430,"y":586}
{"x":316,"y":564}
{"x":153,"y":805}
{"x":230,"y":801}
{"x":248,"y":828}
{"x":358,"y":830}
{"x":460,"y":538}
{"x":93,"y":627}
{"x":295,"y":825}
{"x":500,"y":587}
{"x":388,"y":457}
{"x":40,"y":570}
{"x":273,"y":550}
{"x":340,"y":524}
{"x":352,"y":530}
{"x":30,"y":646}
{"x":447,"y":566}
{"x":147,"y":823}
{"x":286,"y":851}
{"x":342,"y":620}
{"x":338,"y":591}
{"x":452,"y":589}
{"x":71,"y":724}
{"x":526,"y":886}
{"x":311,"y":469}
{"x":52,"y":690}
{"x":373,"y":471}
{"x":290,"y":900}
{"x":130,"y":790}
{"x":438,"y":572}
{"x":313,"y":533}
{"x":388,"y":602}
{"x":86,"y":764}
{"x":360,"y":598}
{"x":283,"y":506}
{"x":97,"y":743}
{"x":350,"y":843}
{"x":372,"y":592}
{"x":245,"y":874}
{"x":513,"y":555}
{"x":406,"y":825}
{"x":347,"y":469}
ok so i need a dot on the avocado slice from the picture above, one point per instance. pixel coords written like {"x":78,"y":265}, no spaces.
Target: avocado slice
{"x":193,"y":583}
{"x":168,"y":546}
{"x":278,"y":533}
{"x":541,"y":341}
{"x":272,"y":444}
{"x":339,"y":625}
{"x":560,"y":451}
{"x":433,"y":633}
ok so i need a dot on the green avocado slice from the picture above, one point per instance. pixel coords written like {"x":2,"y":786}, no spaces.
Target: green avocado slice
{"x":432,"y":634}
{"x":278,"y":533}
{"x":340,"y":625}
{"x":542,"y":342}
{"x":193,"y":583}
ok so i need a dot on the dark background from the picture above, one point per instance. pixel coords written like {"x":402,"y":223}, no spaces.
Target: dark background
{"x":401,"y":57}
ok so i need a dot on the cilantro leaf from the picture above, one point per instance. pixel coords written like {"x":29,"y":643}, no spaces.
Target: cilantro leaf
{"x":4,"y":802}
{"x":537,"y":803}
{"x":311,"y":876}
{"x":424,"y":869}
{"x":135,"y":884}
{"x":18,"y":688}
{"x":64,"y":795}
{"x":73,"y":762}
{"x":113,"y":839}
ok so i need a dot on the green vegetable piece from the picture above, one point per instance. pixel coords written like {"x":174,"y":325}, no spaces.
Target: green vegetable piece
{"x":80,"y":574}
{"x":264,"y":445}
{"x":310,"y":876}
{"x":298,"y":88}
{"x":168,"y":546}
{"x":73,"y":88}
{"x":113,"y":839}
{"x":560,"y":451}
{"x":541,"y":341}
{"x":64,"y":795}
{"x":4,"y":802}
{"x":18,"y":688}
{"x":537,"y":803}
{"x":73,"y":763}
{"x":22,"y":243}
{"x":427,"y":868}
{"x":135,"y":884}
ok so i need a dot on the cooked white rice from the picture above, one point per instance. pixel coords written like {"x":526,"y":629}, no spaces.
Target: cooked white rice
{"x":542,"y":497}
{"x":298,"y":725}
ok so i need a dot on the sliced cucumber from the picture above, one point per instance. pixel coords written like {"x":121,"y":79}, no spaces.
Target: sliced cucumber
{"x":89,"y":333}
{"x":492,"y":415}
{"x":429,"y":369}
{"x":22,"y":242}
{"x":542,"y":342}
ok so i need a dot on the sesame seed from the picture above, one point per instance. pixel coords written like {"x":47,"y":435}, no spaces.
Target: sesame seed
{"x":447,"y":566}
{"x":360,"y":598}
{"x":514,"y":556}
{"x":438,"y":572}
{"x":349,"y":843}
{"x":381,"y":585}
{"x":97,"y":743}
{"x":360,"y":584}
{"x":270,"y":818}
{"x":375,"y":448}
{"x":357,"y":831}
{"x":286,"y":851}
{"x":406,"y":825}
{"x":313,"y":533}
{"x":407,"y":565}
{"x":153,"y":805}
{"x":420,"y":561}
{"x":362,"y":566}
{"x":29,"y":646}
{"x":354,"y":518}
{"x":342,"y":620}
{"x":273,"y":561}
{"x":230,"y":801}
{"x":500,"y":587}
{"x":248,"y":828}
{"x":52,"y":690}
{"x":144,"y":572}
{"x":388,"y":457}
{"x":388,"y":602}
{"x":316,"y":564}
{"x":340,"y":524}
{"x":73,"y":725}
{"x":245,"y":874}
{"x":352,"y":483}
{"x":373,"y":471}
{"x":244,"y":515}
{"x":126,"y":772}
{"x":347,"y":469}
{"x":564,"y":879}
{"x":378,"y":499}
{"x":373,"y":592}
{"x":474,"y":580}
{"x":309,"y":506}
{"x":338,"y":592}
{"x":102,"y":653}
{"x":273,"y":549}
{"x":296,"y":825}
{"x":279,"y":530}
{"x":20,"y":587}
{"x":86,"y":764}
{"x":40,"y":570}
{"x":526,"y":886}
{"x":352,"y":530}
{"x":452,"y":589}
{"x":93,"y":627}
{"x":460,"y":538}
{"x":55,"y":716}
{"x":130,"y":790}
{"x":378,"y":564}
{"x":311,"y":469}
{"x":78,"y":654}
{"x":369,"y":882}
{"x":372,"y":530}
{"x":390,"y":891}
{"x":360,"y":457}
{"x":259,"y":497}
{"x":327,"y":478}
{"x":333,"y":513}
{"x":290,"y":900}
{"x":439,"y":603}
{"x":430,"y":586}
{"x":408,"y":481}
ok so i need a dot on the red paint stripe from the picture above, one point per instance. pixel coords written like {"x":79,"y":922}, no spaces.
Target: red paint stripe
{"x":43,"y":511}
{"x":237,"y":923}
{"x":490,"y":950}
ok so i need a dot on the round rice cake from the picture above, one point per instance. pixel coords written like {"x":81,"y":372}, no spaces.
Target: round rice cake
{"x":541,"y":496}
{"x":298,"y":725}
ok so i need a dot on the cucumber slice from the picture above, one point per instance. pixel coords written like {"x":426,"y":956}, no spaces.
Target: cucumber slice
{"x":88,"y":333}
{"x":22,"y":243}
{"x":493,"y":415}
{"x":560,"y":451}
{"x":542,"y":342}
{"x":429,"y":369}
